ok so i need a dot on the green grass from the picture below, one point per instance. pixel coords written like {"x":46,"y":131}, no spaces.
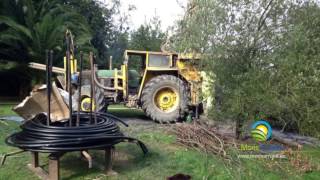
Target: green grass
{"x":165,"y":158}
{"x":6,"y":109}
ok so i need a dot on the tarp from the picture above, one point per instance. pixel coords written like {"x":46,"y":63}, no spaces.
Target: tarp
{"x":36,"y":103}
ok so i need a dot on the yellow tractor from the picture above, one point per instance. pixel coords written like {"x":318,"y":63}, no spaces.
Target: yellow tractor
{"x":166,"y":86}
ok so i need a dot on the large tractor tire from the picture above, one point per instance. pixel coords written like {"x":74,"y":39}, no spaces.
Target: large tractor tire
{"x":98,"y":103}
{"x":165,"y":99}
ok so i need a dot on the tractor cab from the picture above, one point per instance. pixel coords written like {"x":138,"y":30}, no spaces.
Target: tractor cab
{"x":143,"y":64}
{"x":138,"y":67}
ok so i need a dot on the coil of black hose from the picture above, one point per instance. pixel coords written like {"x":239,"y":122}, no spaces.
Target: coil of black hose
{"x":60,"y":137}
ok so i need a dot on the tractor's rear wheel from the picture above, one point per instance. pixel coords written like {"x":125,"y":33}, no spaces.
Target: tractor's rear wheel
{"x":165,"y":99}
{"x":98,"y":102}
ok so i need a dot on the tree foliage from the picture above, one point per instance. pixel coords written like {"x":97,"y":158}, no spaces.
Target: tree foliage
{"x":100,"y":19}
{"x":264,"y":55}
{"x":29,"y":27}
{"x":148,"y":37}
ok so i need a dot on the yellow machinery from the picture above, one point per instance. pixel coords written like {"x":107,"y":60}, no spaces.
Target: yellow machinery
{"x":165,"y":85}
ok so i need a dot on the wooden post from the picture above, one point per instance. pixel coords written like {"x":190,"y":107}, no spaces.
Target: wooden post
{"x":34,"y":166}
{"x":108,"y":159}
{"x":108,"y":162}
{"x":54,"y":173}
{"x":35,"y":159}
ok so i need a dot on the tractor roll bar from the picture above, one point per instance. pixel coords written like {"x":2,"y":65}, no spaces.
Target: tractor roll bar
{"x":98,"y":83}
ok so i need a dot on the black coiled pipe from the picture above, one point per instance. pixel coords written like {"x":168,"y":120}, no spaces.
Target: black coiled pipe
{"x":60,"y":137}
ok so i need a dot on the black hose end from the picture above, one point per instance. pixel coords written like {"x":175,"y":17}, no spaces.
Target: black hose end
{"x":143,"y":147}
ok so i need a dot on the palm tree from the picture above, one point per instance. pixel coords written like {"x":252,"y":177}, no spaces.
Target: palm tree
{"x":29,"y":27}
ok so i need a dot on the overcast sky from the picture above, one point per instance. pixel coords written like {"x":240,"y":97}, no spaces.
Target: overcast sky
{"x":167,"y":10}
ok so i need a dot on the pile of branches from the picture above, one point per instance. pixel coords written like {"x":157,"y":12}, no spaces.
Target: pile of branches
{"x":203,"y":137}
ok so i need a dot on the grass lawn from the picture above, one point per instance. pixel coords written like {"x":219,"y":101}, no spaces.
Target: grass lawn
{"x":166,"y":158}
{"x":6,"y":108}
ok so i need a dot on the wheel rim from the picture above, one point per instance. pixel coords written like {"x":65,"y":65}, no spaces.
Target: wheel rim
{"x":85,"y":104}
{"x":166,"y":99}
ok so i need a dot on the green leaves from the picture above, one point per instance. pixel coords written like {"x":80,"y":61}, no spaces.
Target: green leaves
{"x":36,"y":26}
{"x":14,"y":25}
{"x":148,"y":37}
{"x":265,"y":55}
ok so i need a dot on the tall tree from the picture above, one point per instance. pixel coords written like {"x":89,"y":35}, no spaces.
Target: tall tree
{"x":264,"y":54}
{"x":100,"y":17}
{"x":148,"y":37}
